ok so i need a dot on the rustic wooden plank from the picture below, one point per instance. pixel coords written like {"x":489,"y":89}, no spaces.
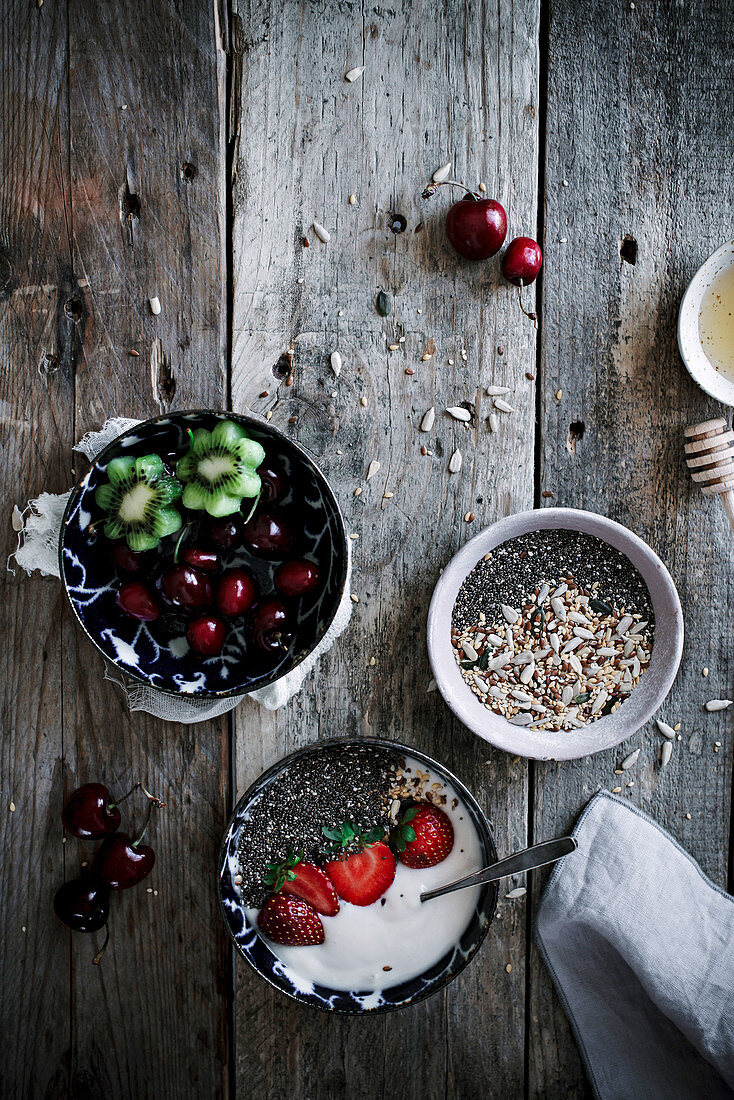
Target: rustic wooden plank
{"x":304,"y":140}
{"x":647,"y":155}
{"x":37,"y":401}
{"x":145,"y":101}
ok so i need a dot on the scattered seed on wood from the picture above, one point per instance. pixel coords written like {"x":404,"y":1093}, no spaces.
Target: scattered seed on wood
{"x":431,"y":686}
{"x":336,"y":363}
{"x":354,"y":74}
{"x":450,"y":362}
{"x":323,"y":234}
{"x":358,"y":491}
{"x":135,"y":354}
{"x":383,"y":304}
{"x":269,"y":414}
{"x":482,"y":187}
{"x":354,"y":535}
{"x":354,"y":598}
{"x":306,"y":242}
{"x":12,"y":807}
{"x":363,"y":401}
{"x":530,"y":377}
{"x":508,"y":968}
{"x":428,"y":419}
{"x":424,"y":451}
{"x":616,"y":790}
{"x":388,"y":496}
{"x":665,"y":729}
{"x":155,"y":306}
{"x":502,"y":405}
{"x":265,"y":393}
{"x":16,"y":518}
{"x":498,"y":391}
{"x":352,"y":199}
{"x":426,"y":357}
{"x":394,"y":347}
{"x":630,"y":761}
{"x":469,"y":517}
{"x":455,"y":462}
{"x":441,"y":173}
{"x":559,"y":395}
{"x":494,"y":422}
{"x":459,"y":413}
{"x":519,"y":892}
{"x":409,"y":370}
{"x":717,"y":704}
{"x":547,"y":493}
{"x":666,"y":751}
{"x":704,"y":672}
{"x":372,"y":469}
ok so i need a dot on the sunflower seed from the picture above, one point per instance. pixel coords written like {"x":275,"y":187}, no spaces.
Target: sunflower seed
{"x":521,"y":696}
{"x":575,"y":664}
{"x":582,"y":632}
{"x":624,"y":624}
{"x":543,"y":594}
{"x":559,"y":609}
{"x":509,"y":613}
{"x":524,"y":658}
{"x":498,"y":391}
{"x":354,"y":74}
{"x":519,"y":892}
{"x":527,"y":673}
{"x":665,"y":729}
{"x":495,"y":639}
{"x":336,"y":363}
{"x":555,"y":642}
{"x":571,"y":644}
{"x":502,"y":405}
{"x":630,"y":761}
{"x":442,"y":173}
{"x":567,"y":695}
{"x":16,"y":518}
{"x":599,"y":700}
{"x":521,"y":720}
{"x":717,"y":704}
{"x":431,"y":686}
{"x":372,"y":469}
{"x":155,"y":306}
{"x":666,"y":751}
{"x":470,"y":651}
{"x":493,"y":422}
{"x":458,"y":413}
{"x":561,"y":590}
{"x":455,"y":462}
{"x":323,"y":234}
{"x":428,"y":419}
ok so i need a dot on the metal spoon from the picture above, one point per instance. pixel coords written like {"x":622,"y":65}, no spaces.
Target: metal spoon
{"x":527,"y":860}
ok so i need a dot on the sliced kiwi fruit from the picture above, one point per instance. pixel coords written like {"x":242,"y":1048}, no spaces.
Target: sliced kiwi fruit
{"x":218,"y":470}
{"x":138,"y":498}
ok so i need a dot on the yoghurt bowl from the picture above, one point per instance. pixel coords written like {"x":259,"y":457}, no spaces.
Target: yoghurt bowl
{"x":604,"y":732}
{"x":158,"y":653}
{"x":304,"y":973}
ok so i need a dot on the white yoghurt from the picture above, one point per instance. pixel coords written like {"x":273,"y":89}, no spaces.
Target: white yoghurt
{"x":404,"y":934}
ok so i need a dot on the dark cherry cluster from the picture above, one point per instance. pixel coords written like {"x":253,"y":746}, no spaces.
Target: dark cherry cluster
{"x":121,"y":861}
{"x":193,"y":584}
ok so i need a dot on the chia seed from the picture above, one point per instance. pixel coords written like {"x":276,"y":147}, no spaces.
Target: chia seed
{"x":326,"y":787}
{"x":515,"y":568}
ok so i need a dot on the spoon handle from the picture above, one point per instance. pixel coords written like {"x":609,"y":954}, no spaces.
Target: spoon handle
{"x":527,"y":860}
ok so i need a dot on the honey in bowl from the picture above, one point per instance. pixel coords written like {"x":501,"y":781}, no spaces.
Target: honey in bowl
{"x":716,"y":323}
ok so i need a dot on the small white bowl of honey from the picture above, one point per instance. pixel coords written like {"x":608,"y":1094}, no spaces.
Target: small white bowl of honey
{"x":706,"y":325}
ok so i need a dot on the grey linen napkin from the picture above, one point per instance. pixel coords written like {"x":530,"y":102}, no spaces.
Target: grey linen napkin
{"x":640,"y":945}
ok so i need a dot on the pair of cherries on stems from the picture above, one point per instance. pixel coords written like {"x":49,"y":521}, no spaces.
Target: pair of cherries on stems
{"x":477,"y":227}
{"x":121,"y":861}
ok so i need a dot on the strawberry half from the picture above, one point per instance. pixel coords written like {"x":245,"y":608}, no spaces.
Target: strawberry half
{"x":424,"y":836}
{"x":290,"y":920}
{"x":313,"y":886}
{"x":364,"y":876}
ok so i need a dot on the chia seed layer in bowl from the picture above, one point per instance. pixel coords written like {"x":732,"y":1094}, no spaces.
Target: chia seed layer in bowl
{"x":541,"y":633}
{"x":347,"y":779}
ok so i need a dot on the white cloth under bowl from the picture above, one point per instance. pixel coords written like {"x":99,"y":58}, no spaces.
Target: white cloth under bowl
{"x":38,"y":551}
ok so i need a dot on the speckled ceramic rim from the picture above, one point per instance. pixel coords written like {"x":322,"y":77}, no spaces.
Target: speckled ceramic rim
{"x":261,"y":426}
{"x":486,"y":901}
{"x":605,"y":732}
{"x":689,"y":344}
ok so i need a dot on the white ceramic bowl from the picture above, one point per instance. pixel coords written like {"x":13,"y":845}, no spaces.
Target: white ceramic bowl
{"x":603,"y":733}
{"x":689,"y":343}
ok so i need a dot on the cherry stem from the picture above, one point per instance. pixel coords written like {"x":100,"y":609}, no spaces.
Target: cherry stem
{"x":112,"y":805}
{"x":98,"y":957}
{"x":152,"y":798}
{"x":153,"y":804}
{"x":179,"y":541}
{"x":254,"y":505}
{"x":533,"y":316}
{"x":431,"y":189}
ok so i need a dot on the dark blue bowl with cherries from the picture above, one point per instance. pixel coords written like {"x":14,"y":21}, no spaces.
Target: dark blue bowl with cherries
{"x":204,"y":553}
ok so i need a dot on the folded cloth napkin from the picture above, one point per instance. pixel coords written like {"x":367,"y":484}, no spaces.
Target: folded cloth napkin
{"x":38,"y":551}
{"x":640,"y":945}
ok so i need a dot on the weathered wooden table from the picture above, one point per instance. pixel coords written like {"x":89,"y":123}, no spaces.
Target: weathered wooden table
{"x":183,"y":150}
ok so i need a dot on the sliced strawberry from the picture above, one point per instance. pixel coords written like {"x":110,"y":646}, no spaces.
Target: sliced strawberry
{"x":425,"y":836}
{"x":290,"y":920}
{"x":313,"y":886}
{"x":365,"y":876}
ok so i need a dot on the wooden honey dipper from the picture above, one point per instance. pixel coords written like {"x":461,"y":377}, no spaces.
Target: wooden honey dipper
{"x":710,"y":458}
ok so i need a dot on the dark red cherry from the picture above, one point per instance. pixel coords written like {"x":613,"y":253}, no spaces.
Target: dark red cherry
{"x":187,"y":587}
{"x":295,"y":578}
{"x":226,"y":533}
{"x":201,"y":559}
{"x":269,"y":627}
{"x":90,"y":812}
{"x":269,"y":534}
{"x":236,"y":592}
{"x":83,"y":904}
{"x":476,"y":227}
{"x":272,"y":480}
{"x":136,"y":601}
{"x":126,"y":559}
{"x":522,"y":261}
{"x":122,"y":862}
{"x":206,"y":635}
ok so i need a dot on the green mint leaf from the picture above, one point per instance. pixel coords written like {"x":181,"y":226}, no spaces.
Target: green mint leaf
{"x":409,"y":815}
{"x":409,"y":833}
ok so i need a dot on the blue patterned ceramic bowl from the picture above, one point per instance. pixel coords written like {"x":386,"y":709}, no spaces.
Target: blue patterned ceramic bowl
{"x":167,"y":664}
{"x":258,"y":955}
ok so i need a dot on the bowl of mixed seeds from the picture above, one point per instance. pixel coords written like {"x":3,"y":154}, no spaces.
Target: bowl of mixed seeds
{"x":555,"y":633}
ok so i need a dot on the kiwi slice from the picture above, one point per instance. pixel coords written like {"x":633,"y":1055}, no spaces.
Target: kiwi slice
{"x":219,"y":469}
{"x":137,"y":498}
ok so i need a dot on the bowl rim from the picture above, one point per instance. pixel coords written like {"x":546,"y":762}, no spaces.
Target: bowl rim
{"x":695,"y":360}
{"x":604,"y":733}
{"x":261,"y":425}
{"x":489,"y":893}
